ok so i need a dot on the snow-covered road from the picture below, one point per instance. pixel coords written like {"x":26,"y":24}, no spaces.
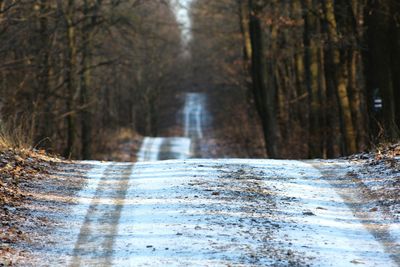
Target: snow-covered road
{"x":194,"y":114}
{"x":231,"y":212}
{"x":162,"y":148}
{"x":170,"y":210}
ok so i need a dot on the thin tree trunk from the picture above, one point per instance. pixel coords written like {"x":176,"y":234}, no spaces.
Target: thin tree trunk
{"x":312,"y":75}
{"x":244,"y":23}
{"x":86,"y":118}
{"x":340,"y":80}
{"x":261,"y":70}
{"x":71,"y":54}
{"x":46,"y":121}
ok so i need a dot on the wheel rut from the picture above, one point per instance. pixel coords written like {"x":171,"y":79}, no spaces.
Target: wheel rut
{"x":99,"y":230}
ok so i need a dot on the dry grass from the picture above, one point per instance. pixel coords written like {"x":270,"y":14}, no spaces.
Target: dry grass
{"x":14,"y":137}
{"x":387,"y":150}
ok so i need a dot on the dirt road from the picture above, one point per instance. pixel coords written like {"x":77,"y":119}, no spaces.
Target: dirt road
{"x":221,"y":213}
{"x":217,"y":212}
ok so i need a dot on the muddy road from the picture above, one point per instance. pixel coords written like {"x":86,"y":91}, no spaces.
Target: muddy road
{"x":174,"y":209}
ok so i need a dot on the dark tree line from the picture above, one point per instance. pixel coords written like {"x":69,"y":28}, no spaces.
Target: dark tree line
{"x":382,"y":67}
{"x":323,"y":74}
{"x":342,"y":56}
{"x":73,"y":71}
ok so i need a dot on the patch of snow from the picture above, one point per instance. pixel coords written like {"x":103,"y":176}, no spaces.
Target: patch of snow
{"x":150,"y":149}
{"x":163,"y":223}
{"x":160,"y":148}
{"x":322,"y":225}
{"x":194,"y":112}
{"x":378,"y":219}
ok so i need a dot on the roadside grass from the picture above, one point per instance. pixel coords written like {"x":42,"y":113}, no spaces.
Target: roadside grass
{"x":21,"y":167}
{"x":19,"y":161}
{"x":14,"y":137}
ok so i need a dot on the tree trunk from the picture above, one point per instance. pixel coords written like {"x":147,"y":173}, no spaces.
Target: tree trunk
{"x":312,"y":74}
{"x":70,"y":65}
{"x":244,"y":23}
{"x":86,"y":118}
{"x":262,"y":73}
{"x":46,"y":119}
{"x":340,"y":82}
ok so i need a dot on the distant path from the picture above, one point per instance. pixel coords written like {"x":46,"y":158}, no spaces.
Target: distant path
{"x":164,"y":148}
{"x":194,"y":114}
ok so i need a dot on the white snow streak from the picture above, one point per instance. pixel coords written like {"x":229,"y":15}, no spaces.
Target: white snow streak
{"x":150,"y":149}
{"x":193,"y":115}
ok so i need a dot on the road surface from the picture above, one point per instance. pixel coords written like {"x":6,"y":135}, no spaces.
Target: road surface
{"x":171,"y":210}
{"x":232,"y":212}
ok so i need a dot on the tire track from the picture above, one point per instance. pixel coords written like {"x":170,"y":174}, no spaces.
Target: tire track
{"x":99,"y":230}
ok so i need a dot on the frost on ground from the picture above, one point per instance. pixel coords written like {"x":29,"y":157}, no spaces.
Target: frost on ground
{"x":34,"y":191}
{"x":380,"y":173}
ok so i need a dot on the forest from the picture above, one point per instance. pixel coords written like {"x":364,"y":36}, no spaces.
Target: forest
{"x":320,"y":77}
{"x":72,"y":72}
{"x":321,"y":74}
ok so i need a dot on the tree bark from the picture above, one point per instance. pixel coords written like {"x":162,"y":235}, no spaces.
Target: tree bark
{"x":312,"y":74}
{"x":262,"y":76}
{"x":70,"y":67}
{"x":341,"y":79}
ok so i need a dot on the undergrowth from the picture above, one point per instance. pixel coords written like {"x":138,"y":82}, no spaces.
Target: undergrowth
{"x":13,"y":136}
